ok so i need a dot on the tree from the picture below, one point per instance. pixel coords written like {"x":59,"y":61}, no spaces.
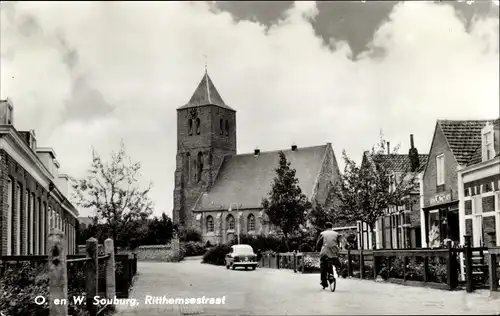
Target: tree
{"x":111,"y":189}
{"x":364,"y":193}
{"x":160,"y":230}
{"x":286,"y":205}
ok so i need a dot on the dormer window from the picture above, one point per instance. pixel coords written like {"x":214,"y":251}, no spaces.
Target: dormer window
{"x":190,"y":124}
{"x":488,"y":149}
{"x":198,"y":126}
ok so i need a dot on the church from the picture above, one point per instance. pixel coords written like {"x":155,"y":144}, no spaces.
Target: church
{"x":218,"y":191}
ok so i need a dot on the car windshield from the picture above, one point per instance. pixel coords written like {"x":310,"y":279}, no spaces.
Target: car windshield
{"x":243,"y":249}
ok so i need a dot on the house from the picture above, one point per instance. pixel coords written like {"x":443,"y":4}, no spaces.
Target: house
{"x":84,"y":223}
{"x":478,"y":190}
{"x":454,"y":144}
{"x":400,"y":226}
{"x":218,"y":191}
{"x":33,"y":194}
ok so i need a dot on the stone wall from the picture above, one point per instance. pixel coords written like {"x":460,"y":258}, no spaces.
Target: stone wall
{"x":159,"y":253}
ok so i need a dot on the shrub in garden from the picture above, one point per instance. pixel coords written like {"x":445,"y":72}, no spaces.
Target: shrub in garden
{"x":305,"y":248}
{"x":21,"y":283}
{"x":193,"y":248}
{"x":189,"y":234}
{"x":216,"y":255}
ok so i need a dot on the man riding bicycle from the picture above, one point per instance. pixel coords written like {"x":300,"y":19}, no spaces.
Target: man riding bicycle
{"x":329,"y":251}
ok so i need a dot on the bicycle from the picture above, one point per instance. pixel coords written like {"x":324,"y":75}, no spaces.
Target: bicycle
{"x":332,"y":281}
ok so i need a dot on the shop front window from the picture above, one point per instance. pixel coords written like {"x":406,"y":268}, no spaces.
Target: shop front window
{"x":434,"y":233}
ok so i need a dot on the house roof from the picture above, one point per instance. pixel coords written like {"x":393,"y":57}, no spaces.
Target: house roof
{"x":401,"y":162}
{"x":464,"y":137}
{"x":205,"y":94}
{"x":246,"y":179}
{"x":476,"y":156}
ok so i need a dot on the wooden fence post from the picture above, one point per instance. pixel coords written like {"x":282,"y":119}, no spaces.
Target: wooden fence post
{"x":426,"y":269}
{"x":295,"y":262}
{"x":91,"y":275}
{"x":349,"y":263}
{"x":452,"y":276}
{"x":468,"y":264}
{"x":493,"y":272}
{"x":58,"y":274}
{"x":361,"y":264}
{"x":110,"y":268}
{"x":405,"y":263}
{"x":278,"y":260}
{"x":374,"y":265}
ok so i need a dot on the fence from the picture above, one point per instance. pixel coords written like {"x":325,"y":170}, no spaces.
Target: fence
{"x":436,"y":268}
{"x":106,"y":275}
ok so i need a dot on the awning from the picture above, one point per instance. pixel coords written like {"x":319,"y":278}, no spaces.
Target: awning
{"x":442,"y":205}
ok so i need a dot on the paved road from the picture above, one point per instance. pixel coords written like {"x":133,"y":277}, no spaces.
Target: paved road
{"x":281,"y":292}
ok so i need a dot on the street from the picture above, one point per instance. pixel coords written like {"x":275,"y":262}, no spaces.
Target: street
{"x":281,"y":292}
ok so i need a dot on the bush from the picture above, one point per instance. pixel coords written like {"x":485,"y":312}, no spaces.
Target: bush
{"x":305,"y":248}
{"x":189,"y":234}
{"x":192,"y":248}
{"x":21,"y":283}
{"x":216,"y":255}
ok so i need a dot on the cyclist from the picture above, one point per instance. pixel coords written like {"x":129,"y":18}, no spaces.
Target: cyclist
{"x":329,"y":251}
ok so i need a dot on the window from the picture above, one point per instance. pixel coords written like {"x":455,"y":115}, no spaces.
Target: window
{"x":51,"y":219}
{"x":227,"y":128}
{"x":200,"y":166}
{"x":251,"y":223}
{"x":489,"y":151}
{"x":19,"y":195}
{"x":10,"y":202}
{"x":31,"y":228}
{"x":221,"y":126}
{"x":190,"y":124}
{"x":42,"y":226}
{"x":230,"y":222}
{"x":392,"y":183}
{"x":26,"y":221}
{"x":210,"y":223}
{"x":440,"y":169}
{"x":198,"y":126}
{"x":188,"y":166}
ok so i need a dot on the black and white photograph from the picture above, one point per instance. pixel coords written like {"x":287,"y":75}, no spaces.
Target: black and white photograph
{"x":249,"y":158}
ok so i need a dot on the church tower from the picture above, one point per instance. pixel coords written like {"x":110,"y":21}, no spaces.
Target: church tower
{"x":206,"y":132}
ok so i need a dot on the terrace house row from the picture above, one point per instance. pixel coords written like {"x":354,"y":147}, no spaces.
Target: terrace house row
{"x":33,"y":195}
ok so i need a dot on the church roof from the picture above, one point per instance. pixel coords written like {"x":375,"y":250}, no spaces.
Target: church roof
{"x":246,"y":179}
{"x":205,"y":94}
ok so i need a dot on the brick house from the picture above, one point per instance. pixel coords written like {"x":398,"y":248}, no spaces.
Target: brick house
{"x":33,"y":193}
{"x":218,"y":191}
{"x":400,"y":226}
{"x":454,"y":144}
{"x":479,"y":193}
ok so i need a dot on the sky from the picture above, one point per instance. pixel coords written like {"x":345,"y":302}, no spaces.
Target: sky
{"x":89,"y":74}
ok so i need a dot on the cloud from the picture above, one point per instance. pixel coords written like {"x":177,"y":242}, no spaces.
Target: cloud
{"x":120,"y":70}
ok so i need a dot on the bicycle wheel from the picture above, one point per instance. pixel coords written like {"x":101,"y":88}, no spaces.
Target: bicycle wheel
{"x":333,"y":284}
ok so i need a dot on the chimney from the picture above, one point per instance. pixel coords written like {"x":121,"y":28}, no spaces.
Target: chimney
{"x":388,"y":148}
{"x":413,"y":156}
{"x":294,"y":147}
{"x":6,"y":112}
{"x":256,"y":152}
{"x":62,"y":183}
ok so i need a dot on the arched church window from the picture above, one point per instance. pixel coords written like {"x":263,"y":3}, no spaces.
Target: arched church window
{"x":190,"y":124}
{"x":230,"y":221}
{"x":200,"y":166}
{"x":227,"y":127}
{"x":198,"y":127}
{"x":221,"y":126}
{"x":188,"y":165}
{"x":251,"y":223}
{"x":210,"y":223}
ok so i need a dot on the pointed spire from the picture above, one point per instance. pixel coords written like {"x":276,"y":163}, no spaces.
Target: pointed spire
{"x":206,"y":94}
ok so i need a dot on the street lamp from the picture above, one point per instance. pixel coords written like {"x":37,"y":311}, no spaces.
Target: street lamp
{"x":237,"y":218}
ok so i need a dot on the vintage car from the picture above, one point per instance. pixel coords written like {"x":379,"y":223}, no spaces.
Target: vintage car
{"x":241,"y":256}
